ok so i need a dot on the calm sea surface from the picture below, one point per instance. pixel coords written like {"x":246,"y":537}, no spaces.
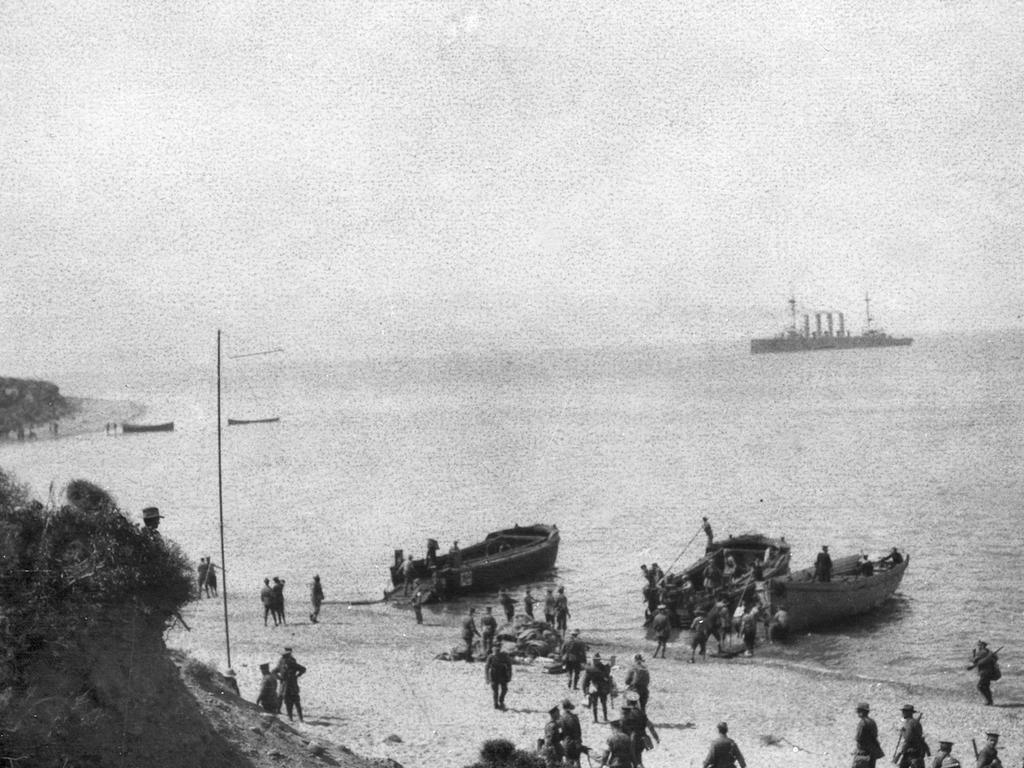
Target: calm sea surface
{"x":625,"y":450}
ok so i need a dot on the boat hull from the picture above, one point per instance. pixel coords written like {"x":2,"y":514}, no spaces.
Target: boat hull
{"x":810,"y":603}
{"x":239,"y":422}
{"x":825,"y":343}
{"x":504,"y":557}
{"x":165,"y":427}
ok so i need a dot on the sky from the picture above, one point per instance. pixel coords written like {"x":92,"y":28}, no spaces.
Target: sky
{"x":386,"y":177}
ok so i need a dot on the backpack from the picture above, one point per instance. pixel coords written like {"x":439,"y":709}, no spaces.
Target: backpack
{"x":996,"y":672}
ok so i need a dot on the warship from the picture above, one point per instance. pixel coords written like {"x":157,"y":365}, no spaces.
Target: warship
{"x":827,"y":336}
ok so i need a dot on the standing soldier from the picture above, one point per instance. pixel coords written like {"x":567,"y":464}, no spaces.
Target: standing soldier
{"x":662,"y":630}
{"x":455,"y":556}
{"x":488,"y":627}
{"x":868,"y":749}
{"x":498,"y":672}
{"x":911,"y":748}
{"x":202,"y":578}
{"x":211,"y":578}
{"x":289,"y":671}
{"x":508,"y":604}
{"x":561,"y":611}
{"x":988,"y":757}
{"x":639,"y":679}
{"x":706,"y":527}
{"x":267,"y":598}
{"x":469,"y":631}
{"x":724,"y":752}
{"x":552,"y":748}
{"x":748,"y":629}
{"x":268,"y":698}
{"x":619,"y":752}
{"x":572,"y":736}
{"x":549,"y":607}
{"x":408,"y":569}
{"x":528,"y":601}
{"x":316,"y":596}
{"x":943,"y":758}
{"x":823,"y":565}
{"x":277,"y":606}
{"x":597,"y":684}
{"x":986,"y":662}
{"x":417,"y":601}
{"x":636,"y":725}
{"x":574,"y":657}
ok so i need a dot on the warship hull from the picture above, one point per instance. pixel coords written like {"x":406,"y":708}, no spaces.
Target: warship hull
{"x":824,"y":343}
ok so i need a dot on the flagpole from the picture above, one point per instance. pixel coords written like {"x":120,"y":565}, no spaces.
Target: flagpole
{"x":220,"y":506}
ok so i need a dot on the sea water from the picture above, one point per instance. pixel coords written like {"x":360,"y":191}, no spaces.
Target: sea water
{"x":625,"y":450}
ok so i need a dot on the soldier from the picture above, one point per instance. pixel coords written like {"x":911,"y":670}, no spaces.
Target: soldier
{"x":597,"y":684}
{"x":911,"y":748}
{"x":868,"y":749}
{"x":316,"y":597}
{"x":619,"y":752}
{"x":267,"y":598}
{"x":549,"y":607}
{"x":823,"y":566}
{"x":508,"y":604}
{"x":417,"y":601}
{"x":268,"y":698}
{"x":706,"y":527}
{"x":231,"y":681}
{"x":572,"y":736}
{"x":701,"y":631}
{"x":498,"y":672}
{"x":574,"y":656}
{"x":488,"y":628}
{"x":943,"y":758}
{"x":277,"y":603}
{"x":639,"y":679}
{"x":748,"y":629}
{"x":289,"y":671}
{"x":552,"y":748}
{"x":151,"y":518}
{"x":455,"y":556}
{"x":636,"y":725}
{"x":662,"y":630}
{"x":988,"y":757}
{"x":561,"y":611}
{"x":528,"y":601}
{"x":986,"y":662}
{"x":211,"y":578}
{"x":201,"y":569}
{"x":469,"y":631}
{"x":407,"y":569}
{"x":724,"y":752}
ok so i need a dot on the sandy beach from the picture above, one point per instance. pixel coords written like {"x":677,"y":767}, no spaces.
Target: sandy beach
{"x":372,"y":676}
{"x":90,"y":415}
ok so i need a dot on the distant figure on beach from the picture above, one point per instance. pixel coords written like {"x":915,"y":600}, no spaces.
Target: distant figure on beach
{"x":488,"y":629}
{"x":662,"y":630}
{"x":455,"y":556}
{"x":106,"y":427}
{"x":151,"y":519}
{"x":724,"y":752}
{"x":988,"y":755}
{"x":316,"y":597}
{"x":498,"y":674}
{"x":574,"y":657}
{"x":289,"y":671}
{"x":638,"y":679}
{"x":267,"y":598}
{"x":201,"y":576}
{"x":508,"y":604}
{"x":549,"y":607}
{"x":551,"y":749}
{"x":706,"y":527}
{"x":572,"y":734}
{"x":823,"y":566}
{"x":867,"y":750}
{"x":987,"y":664}
{"x":562,"y":611}
{"x":944,"y":758}
{"x":597,"y":684}
{"x":618,"y":752}
{"x":893,"y":558}
{"x":55,"y":428}
{"x":418,"y":598}
{"x":636,"y":725}
{"x":268,"y":698}
{"x":277,"y":604}
{"x":469,"y":631}
{"x":701,"y":631}
{"x":408,"y":569}
{"x":911,"y":748}
{"x":210,"y":580}
{"x":528,"y":601}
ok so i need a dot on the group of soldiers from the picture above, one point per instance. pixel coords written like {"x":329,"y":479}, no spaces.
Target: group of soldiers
{"x":281,"y":685}
{"x":207,"y":577}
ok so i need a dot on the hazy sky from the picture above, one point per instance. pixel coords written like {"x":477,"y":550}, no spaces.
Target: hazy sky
{"x":391,"y":176}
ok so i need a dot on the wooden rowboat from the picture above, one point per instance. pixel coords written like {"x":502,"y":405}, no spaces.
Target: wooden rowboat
{"x":501,"y":559}
{"x":237,"y":422}
{"x":167,"y":426}
{"x":809,"y":603}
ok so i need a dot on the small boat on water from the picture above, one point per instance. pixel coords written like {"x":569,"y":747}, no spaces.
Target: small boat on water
{"x":167,"y":426}
{"x":502,"y":558}
{"x":238,"y":422}
{"x":853,"y":590}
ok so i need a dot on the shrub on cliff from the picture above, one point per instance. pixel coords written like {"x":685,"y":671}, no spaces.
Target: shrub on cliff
{"x":502,"y":753}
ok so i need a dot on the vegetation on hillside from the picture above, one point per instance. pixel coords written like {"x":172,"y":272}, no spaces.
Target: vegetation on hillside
{"x":28,"y":402}
{"x":502,"y":753}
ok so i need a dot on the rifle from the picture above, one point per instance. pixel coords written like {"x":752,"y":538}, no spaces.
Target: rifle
{"x":975,"y":745}
{"x":896,"y":751}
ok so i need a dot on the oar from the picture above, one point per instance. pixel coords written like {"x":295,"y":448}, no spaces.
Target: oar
{"x":669,"y":569}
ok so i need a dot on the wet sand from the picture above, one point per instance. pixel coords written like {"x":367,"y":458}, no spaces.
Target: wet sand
{"x":372,"y":674}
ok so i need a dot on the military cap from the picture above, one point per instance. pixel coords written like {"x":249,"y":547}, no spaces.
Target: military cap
{"x":722,"y":727}
{"x":983,"y":644}
{"x":615,"y":723}
{"x":596,"y":656}
{"x":287,"y":649}
{"x":265,"y":668}
{"x":566,"y":704}
{"x":908,"y":708}
{"x":553,"y":711}
{"x":863,"y":707}
{"x":992,"y":734}
{"x":638,"y":657}
{"x":947,"y":744}
{"x":230,"y":673}
{"x":151,"y":513}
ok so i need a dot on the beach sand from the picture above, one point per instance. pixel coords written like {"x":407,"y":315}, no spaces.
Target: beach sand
{"x":90,"y":415}
{"x":372,"y":675}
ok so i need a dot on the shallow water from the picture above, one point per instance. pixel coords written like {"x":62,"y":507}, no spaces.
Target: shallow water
{"x":625,"y":450}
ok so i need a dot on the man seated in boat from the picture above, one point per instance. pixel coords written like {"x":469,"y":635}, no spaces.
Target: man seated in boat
{"x":893,"y":558}
{"x":864,"y":566}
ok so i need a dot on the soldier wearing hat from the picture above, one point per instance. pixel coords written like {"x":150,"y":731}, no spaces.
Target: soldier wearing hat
{"x":562,"y":614}
{"x":986,"y":662}
{"x":469,"y":631}
{"x":268,"y":698}
{"x":823,"y":565}
{"x":231,"y":681}
{"x":943,"y":758}
{"x":636,"y":725}
{"x":316,"y":597}
{"x":151,"y":518}
{"x":724,"y":752}
{"x":911,"y":748}
{"x":528,"y":601}
{"x":498,"y":672}
{"x":508,"y":604}
{"x":868,"y":750}
{"x":552,"y":746}
{"x":549,"y":607}
{"x":701,"y":631}
{"x":574,"y":656}
{"x":638,"y":678}
{"x":488,"y":629}
{"x":289,"y":671}
{"x":618,"y":751}
{"x":597,"y":684}
{"x":662,"y":630}
{"x":988,"y":755}
{"x":572,"y":735}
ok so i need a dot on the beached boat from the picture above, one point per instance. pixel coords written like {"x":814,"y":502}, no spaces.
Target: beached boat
{"x":237,"y":422}
{"x":808,"y":603}
{"x":167,"y":426}
{"x":502,"y":558}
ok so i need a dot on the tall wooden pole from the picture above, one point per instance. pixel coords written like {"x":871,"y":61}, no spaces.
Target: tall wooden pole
{"x":220,"y":505}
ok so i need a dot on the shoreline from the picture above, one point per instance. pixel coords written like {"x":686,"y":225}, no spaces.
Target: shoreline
{"x":87,"y":415}
{"x":373,"y":675}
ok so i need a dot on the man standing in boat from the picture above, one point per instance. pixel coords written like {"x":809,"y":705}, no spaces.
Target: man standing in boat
{"x":455,"y":556}
{"x":408,"y":569}
{"x":823,"y":565}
